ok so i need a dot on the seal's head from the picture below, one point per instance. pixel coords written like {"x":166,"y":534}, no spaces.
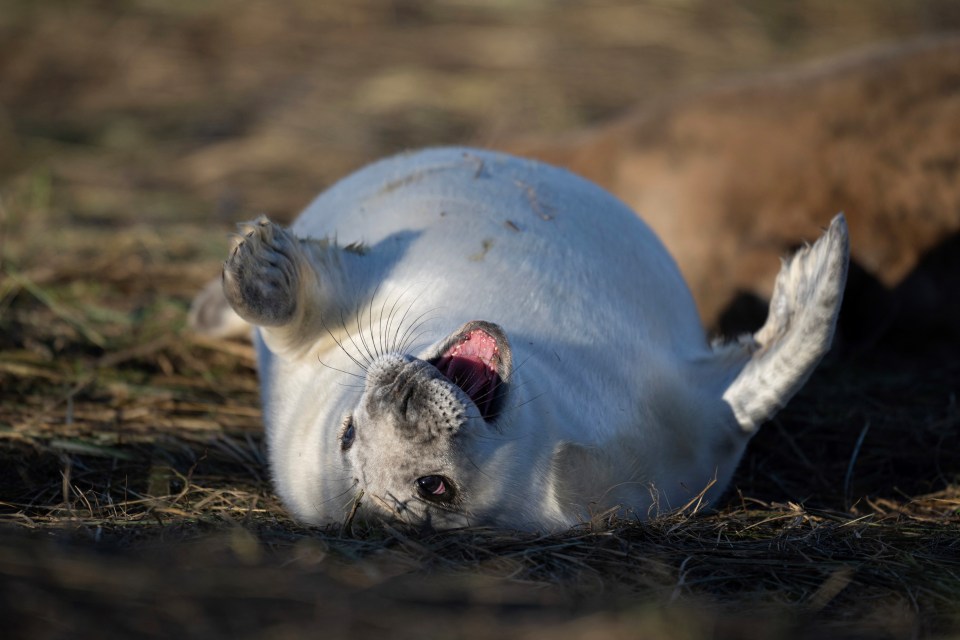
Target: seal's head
{"x":418,"y":438}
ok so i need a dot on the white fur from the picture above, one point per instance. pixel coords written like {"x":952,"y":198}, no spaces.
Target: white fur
{"x":616,"y":398}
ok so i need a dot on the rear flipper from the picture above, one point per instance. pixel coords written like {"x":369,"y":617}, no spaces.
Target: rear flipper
{"x":770,"y":366}
{"x":278,"y":282}
{"x":211,"y":315}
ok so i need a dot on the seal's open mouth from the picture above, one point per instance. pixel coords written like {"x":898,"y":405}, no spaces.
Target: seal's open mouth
{"x":473,"y":362}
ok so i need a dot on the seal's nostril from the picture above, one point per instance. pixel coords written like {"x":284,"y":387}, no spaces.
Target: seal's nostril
{"x":404,"y":409}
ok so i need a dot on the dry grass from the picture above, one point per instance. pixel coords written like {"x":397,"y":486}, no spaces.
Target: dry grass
{"x":134,"y":496}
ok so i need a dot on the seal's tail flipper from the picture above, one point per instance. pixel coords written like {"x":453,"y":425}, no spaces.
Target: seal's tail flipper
{"x":779,"y":358}
{"x":211,"y":315}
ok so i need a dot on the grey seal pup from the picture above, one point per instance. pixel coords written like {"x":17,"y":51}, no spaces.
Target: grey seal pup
{"x":455,"y":337}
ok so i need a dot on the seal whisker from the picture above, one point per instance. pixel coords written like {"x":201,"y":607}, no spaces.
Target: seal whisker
{"x":442,"y":507}
{"x":328,"y":366}
{"x":476,"y":466}
{"x":370,"y":357}
{"x":354,"y":318}
{"x":390,"y":318}
{"x":394,"y":343}
{"x":513,"y":372}
{"x":496,"y":389}
{"x":413,"y":344}
{"x":396,"y":513}
{"x":413,"y":333}
{"x":499,"y":437}
{"x":413,"y":327}
{"x":351,"y":386}
{"x":513,"y":387}
{"x":380,"y":326}
{"x":401,"y":505}
{"x":506,"y":410}
{"x":373,"y":339}
{"x":339,"y":495}
{"x":507,"y":380}
{"x":367,"y":361}
{"x":342,"y":348}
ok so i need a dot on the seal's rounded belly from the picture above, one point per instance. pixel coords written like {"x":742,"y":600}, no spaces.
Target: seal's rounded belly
{"x":462,"y":337}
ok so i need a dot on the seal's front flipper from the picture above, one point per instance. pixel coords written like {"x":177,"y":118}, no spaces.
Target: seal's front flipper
{"x":768,"y":368}
{"x":284,"y":285}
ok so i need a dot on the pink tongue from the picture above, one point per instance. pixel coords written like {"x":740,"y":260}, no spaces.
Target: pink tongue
{"x":471,"y":364}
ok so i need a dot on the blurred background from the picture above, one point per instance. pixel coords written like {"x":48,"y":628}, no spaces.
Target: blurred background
{"x":127,"y":112}
{"x":135,"y":133}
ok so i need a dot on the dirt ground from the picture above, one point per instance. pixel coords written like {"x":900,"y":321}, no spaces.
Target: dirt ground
{"x":134,"y":494}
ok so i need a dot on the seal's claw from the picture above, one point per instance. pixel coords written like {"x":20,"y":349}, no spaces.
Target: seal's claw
{"x":261,"y":276}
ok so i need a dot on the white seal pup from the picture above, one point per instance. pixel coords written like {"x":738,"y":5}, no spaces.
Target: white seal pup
{"x":458,"y":337}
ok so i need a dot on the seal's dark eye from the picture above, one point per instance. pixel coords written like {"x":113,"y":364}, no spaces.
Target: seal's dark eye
{"x":347,"y":433}
{"x":435,"y":488}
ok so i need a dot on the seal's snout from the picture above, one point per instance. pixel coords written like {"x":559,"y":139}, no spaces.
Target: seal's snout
{"x":406,"y":394}
{"x":414,"y":397}
{"x":385,"y":369}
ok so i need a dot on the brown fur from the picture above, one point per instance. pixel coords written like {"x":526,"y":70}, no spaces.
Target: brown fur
{"x":731,"y":177}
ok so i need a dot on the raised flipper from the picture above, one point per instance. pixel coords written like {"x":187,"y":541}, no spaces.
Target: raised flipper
{"x":278,"y":282}
{"x":766,"y":369}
